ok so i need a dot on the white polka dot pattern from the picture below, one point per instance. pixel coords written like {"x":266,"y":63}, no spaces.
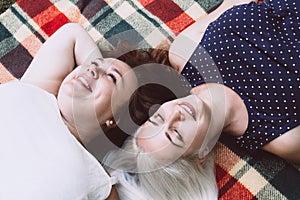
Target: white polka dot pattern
{"x":255,"y":48}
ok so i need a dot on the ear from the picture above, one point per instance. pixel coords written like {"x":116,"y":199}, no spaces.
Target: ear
{"x":202,"y":160}
{"x":111,"y":123}
{"x":203,"y":155}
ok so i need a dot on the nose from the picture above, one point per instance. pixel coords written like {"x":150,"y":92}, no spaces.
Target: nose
{"x":176,"y":115}
{"x":94,"y":71}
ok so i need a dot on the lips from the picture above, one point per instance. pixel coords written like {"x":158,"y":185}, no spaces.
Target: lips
{"x":84,"y":81}
{"x":189,"y":109}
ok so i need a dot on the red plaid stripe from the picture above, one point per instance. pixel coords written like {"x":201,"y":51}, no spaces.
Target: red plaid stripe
{"x":50,"y":27}
{"x":45,"y":14}
{"x":234,"y":172}
{"x":34,"y":7}
{"x":176,"y":19}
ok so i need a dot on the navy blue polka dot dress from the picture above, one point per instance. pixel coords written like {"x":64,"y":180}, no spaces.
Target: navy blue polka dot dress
{"x":254,"y":50}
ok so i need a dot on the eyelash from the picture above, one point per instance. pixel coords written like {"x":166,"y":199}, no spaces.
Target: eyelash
{"x":170,"y":139}
{"x":159,"y":116}
{"x":95,"y":63}
{"x":178,"y":135}
{"x":114,"y":79}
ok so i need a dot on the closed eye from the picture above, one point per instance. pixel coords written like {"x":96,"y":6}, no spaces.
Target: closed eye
{"x":110,"y":75}
{"x":168,"y":136}
{"x":160,"y":117}
{"x":113,"y":77}
{"x":171,"y":140}
{"x":178,"y":135}
{"x":152,"y":122}
{"x":95,"y":63}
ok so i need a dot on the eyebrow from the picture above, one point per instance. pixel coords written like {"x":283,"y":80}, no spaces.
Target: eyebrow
{"x":99,"y":58}
{"x":96,"y":63}
{"x":113,"y":68}
{"x":161,"y":117}
{"x":156,"y":124}
{"x":117,"y":71}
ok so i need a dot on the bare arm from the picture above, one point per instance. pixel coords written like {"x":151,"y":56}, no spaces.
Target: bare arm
{"x":67,"y":48}
{"x":186,"y":42}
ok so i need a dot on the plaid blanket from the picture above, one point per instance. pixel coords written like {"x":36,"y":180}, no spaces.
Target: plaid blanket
{"x":28,"y":23}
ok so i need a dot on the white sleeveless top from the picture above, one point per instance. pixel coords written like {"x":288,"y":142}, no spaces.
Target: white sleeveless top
{"x":39,"y":158}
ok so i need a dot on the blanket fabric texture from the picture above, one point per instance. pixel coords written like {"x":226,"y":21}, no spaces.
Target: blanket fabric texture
{"x":26,"y":24}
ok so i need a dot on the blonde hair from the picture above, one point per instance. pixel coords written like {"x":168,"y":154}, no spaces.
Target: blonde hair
{"x":142,"y":177}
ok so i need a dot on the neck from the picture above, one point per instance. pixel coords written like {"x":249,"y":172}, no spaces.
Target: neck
{"x":227,"y":108}
{"x":84,"y":134}
{"x":72,"y":129}
{"x":216,"y":99}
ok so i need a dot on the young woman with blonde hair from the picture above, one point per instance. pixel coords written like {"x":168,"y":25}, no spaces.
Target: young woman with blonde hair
{"x":241,"y":61}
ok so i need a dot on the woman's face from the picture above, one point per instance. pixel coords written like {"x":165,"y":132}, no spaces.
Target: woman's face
{"x":88,"y":93}
{"x":177,"y":129}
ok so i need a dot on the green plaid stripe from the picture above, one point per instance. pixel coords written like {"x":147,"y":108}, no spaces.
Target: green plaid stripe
{"x":261,"y":176}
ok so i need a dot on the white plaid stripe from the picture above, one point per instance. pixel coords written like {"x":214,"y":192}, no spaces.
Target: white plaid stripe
{"x":195,"y":11}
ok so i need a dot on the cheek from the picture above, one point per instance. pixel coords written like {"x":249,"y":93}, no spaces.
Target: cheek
{"x":103,"y":88}
{"x":102,"y":107}
{"x":124,"y":90}
{"x":65,"y":103}
{"x":108,"y":96}
{"x":65,"y":90}
{"x":151,"y":142}
{"x":194,"y":139}
{"x":158,"y":146}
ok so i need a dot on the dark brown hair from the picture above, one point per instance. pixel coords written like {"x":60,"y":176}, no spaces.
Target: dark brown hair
{"x":138,"y":56}
{"x":150,"y":93}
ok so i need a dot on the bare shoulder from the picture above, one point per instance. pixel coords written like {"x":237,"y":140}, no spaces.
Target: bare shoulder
{"x":239,"y":2}
{"x":286,"y":146}
{"x":187,"y":41}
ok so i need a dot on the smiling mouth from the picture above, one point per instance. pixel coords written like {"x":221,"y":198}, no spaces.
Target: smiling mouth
{"x":84,"y":82}
{"x":189,"y":109}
